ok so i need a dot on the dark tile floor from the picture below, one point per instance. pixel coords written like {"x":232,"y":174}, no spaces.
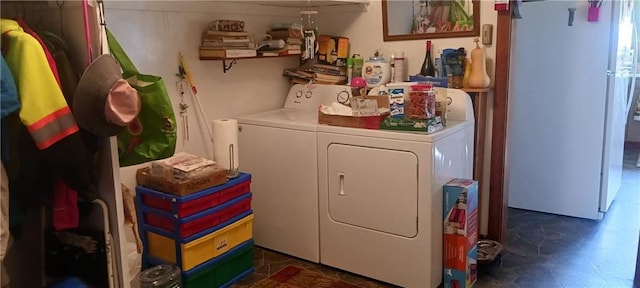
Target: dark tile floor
{"x":545,"y":250}
{"x":542,"y":250}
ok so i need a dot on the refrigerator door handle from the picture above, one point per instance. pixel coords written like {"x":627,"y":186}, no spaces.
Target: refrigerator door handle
{"x":634,"y":68}
{"x":622,"y":72}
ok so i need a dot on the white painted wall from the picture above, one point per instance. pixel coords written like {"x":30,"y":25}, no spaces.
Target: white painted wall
{"x":153,"y":32}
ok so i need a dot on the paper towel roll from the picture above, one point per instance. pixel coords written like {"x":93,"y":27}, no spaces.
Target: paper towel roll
{"x":225,"y":143}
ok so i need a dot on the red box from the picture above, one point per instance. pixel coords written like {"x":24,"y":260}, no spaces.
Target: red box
{"x":183,"y":206}
{"x":190,"y":225}
{"x":460,"y":233}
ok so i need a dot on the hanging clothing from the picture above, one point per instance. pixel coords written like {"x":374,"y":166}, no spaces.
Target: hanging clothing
{"x":44,"y":110}
{"x":50,"y":59}
{"x":8,"y":104}
{"x":52,"y":143}
{"x":65,"y":208}
{"x":60,"y":52}
{"x":8,"y":94}
{"x":4,"y":224}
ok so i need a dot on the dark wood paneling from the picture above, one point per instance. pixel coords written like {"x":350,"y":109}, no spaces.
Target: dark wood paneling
{"x":497,"y":226}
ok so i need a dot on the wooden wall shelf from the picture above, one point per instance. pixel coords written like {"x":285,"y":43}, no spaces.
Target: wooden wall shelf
{"x":226,"y":67}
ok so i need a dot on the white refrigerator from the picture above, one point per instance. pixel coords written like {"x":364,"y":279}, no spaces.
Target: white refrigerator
{"x":570,"y":92}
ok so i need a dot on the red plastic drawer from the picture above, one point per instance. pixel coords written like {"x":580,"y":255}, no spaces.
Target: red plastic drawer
{"x":185,"y":227}
{"x":183,"y":206}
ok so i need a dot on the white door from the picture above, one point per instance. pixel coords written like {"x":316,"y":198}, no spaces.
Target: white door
{"x":620,"y":89}
{"x":557,"y":109}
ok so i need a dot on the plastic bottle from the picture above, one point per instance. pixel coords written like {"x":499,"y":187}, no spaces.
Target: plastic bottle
{"x":392,"y":63}
{"x":358,"y":62}
{"x":467,"y":72}
{"x":438,"y":63}
{"x":349,"y":70}
{"x":399,"y":70}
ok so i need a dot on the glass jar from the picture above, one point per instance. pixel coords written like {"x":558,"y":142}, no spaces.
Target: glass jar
{"x":422,"y":102}
{"x":161,"y":276}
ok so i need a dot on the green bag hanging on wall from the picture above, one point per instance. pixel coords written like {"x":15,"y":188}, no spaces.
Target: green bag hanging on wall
{"x":152,"y":135}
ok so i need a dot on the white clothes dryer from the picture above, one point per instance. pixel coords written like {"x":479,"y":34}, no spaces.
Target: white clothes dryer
{"x":380,"y":196}
{"x":279,"y":149}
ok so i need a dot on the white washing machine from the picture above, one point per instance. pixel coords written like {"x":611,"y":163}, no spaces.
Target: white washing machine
{"x":279,"y":149}
{"x":380,"y":196}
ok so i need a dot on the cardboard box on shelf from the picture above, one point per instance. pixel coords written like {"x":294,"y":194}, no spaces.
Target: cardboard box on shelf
{"x":460,"y":215}
{"x":333,"y":50}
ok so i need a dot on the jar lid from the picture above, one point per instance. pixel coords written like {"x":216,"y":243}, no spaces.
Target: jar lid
{"x":419,"y":87}
{"x":160,"y":276}
{"x":377,"y":57}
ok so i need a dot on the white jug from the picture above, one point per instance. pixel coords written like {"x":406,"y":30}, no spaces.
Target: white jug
{"x":376,"y":71}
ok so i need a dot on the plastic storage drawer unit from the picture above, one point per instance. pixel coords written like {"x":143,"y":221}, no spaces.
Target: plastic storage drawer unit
{"x":190,"y":225}
{"x":183,"y":206}
{"x":219,"y":272}
{"x":192,"y":251}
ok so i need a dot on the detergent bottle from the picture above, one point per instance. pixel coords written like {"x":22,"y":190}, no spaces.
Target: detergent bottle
{"x":376,"y":71}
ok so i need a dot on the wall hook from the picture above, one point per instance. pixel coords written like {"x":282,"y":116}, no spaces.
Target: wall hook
{"x":572,"y":12}
{"x":226,"y":67}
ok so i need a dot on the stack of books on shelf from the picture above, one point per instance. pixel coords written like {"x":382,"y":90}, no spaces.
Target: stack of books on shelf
{"x":226,"y":44}
{"x":318,"y":73}
{"x":292,"y":36}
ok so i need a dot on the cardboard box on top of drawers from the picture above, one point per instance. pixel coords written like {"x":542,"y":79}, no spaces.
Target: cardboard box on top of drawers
{"x":217,"y":176}
{"x":460,"y":252}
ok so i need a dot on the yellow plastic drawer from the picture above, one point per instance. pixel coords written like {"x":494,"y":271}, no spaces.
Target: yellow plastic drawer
{"x":190,"y":254}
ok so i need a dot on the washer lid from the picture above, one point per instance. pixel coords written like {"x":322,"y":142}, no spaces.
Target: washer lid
{"x":284,"y":118}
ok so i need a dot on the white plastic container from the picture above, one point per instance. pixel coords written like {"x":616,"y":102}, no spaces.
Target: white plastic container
{"x":399,"y":74}
{"x":376,"y":71}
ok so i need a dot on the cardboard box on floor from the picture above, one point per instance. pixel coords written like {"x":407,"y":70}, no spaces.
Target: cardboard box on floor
{"x":460,"y":211}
